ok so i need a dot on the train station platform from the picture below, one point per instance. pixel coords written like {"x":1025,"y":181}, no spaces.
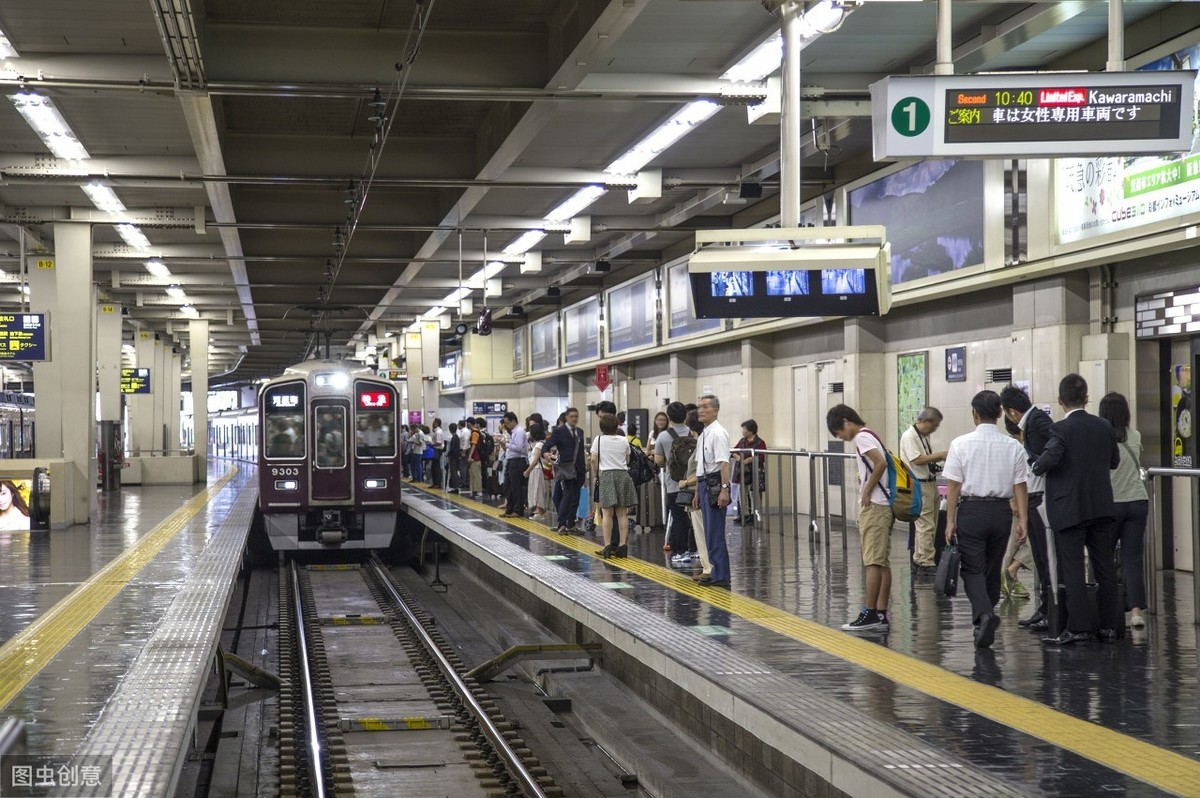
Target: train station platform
{"x":805,"y":708}
{"x":111,"y":628}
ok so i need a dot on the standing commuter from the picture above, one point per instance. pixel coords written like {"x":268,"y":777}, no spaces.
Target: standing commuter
{"x":744,"y":472}
{"x":453,"y":455}
{"x":605,"y":408}
{"x":615,"y":493}
{"x":918,"y":455}
{"x":679,"y":532}
{"x":439,"y":453}
{"x":1079,"y":500}
{"x":404,"y":461}
{"x":696,"y":429}
{"x":538,"y":494}
{"x":985,"y":486}
{"x":569,"y":469}
{"x":1034,"y":426}
{"x":712,"y":492}
{"x":464,"y":456}
{"x":1132,"y":505}
{"x":516,"y":460}
{"x":475,"y":460}
{"x":874,"y":515}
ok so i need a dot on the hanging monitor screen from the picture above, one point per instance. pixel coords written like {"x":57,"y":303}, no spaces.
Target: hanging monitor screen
{"x":787,"y":283}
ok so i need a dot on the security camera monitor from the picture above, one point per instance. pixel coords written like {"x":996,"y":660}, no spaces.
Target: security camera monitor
{"x":732,"y":284}
{"x":793,"y":282}
{"x":843,"y":282}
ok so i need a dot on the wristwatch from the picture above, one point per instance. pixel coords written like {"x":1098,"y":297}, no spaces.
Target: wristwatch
{"x":724,"y":486}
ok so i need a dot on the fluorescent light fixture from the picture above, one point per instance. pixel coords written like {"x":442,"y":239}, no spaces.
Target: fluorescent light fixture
{"x":433,"y":313}
{"x":479,"y":279}
{"x":49,"y":124}
{"x":759,"y":62}
{"x":525,"y":242}
{"x":456,"y":295}
{"x":103,"y":197}
{"x":158,"y":269}
{"x":176,"y":292}
{"x":6,"y":47}
{"x":24,"y":289}
{"x":133,"y":236}
{"x":190,"y":312}
{"x":576,"y":203}
{"x":679,"y":125}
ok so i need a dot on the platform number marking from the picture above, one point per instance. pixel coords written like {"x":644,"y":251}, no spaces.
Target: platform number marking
{"x":45,"y":264}
{"x":911,"y":116}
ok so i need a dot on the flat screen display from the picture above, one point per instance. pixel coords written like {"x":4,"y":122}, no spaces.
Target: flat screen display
{"x":843,"y":282}
{"x":787,"y":283}
{"x":732,"y":284}
{"x":380,"y":400}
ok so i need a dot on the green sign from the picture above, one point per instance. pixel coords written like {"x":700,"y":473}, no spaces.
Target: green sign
{"x":910,"y":116}
{"x":1173,"y":173}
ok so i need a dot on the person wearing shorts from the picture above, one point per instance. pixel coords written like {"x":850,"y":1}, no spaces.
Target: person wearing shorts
{"x":874,"y":515}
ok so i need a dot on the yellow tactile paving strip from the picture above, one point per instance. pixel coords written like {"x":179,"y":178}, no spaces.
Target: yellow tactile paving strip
{"x":26,"y":654}
{"x":1149,"y":763}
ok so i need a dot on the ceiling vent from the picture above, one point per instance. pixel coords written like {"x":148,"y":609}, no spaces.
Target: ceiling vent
{"x":1003,"y":375}
{"x":835,"y":387}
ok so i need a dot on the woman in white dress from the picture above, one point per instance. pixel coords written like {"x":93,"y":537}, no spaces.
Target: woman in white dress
{"x":538,"y":496}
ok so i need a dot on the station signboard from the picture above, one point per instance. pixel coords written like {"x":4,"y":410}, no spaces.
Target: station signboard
{"x":135,"y":381}
{"x":1032,"y":115}
{"x":489,"y":408}
{"x":23,"y":336}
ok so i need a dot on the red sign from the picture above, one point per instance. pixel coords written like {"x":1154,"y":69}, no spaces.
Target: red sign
{"x":375,"y":399}
{"x":602,"y":380}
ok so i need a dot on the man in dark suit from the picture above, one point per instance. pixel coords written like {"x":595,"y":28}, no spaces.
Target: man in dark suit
{"x":1034,"y":427}
{"x":1079,"y":501}
{"x":567,"y":440}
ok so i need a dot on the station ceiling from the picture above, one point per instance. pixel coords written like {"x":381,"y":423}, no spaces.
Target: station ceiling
{"x":238,"y":135}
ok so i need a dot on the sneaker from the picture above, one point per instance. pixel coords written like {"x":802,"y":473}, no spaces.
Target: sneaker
{"x":867,"y":619}
{"x":691,"y":556}
{"x":1137,"y":620}
{"x":679,"y":558}
{"x":1016,"y":589}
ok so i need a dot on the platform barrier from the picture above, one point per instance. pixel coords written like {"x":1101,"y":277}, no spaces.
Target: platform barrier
{"x":784,"y":482}
{"x":1154,"y":539}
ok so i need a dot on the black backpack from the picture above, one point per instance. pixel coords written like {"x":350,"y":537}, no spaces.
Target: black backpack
{"x":641,"y":470}
{"x":682,"y":447}
{"x":487,"y":445}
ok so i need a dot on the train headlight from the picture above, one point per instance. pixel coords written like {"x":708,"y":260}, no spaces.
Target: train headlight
{"x":374,"y":484}
{"x":286,"y":484}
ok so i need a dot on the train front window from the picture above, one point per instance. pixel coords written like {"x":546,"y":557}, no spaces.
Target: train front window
{"x":374,"y":421}
{"x":283,"y":411}
{"x":331,"y":436}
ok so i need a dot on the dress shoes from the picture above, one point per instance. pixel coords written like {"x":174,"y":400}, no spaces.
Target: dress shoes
{"x":1069,"y":638}
{"x":1040,"y":626}
{"x":1108,"y":635}
{"x":1028,"y":623}
{"x":985,"y":632}
{"x":708,"y":581}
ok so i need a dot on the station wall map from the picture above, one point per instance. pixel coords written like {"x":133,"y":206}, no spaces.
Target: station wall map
{"x":1095,"y":196}
{"x":934,"y":214}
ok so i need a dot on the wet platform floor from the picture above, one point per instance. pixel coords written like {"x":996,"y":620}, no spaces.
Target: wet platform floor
{"x":1144,"y":686}
{"x":62,"y":702}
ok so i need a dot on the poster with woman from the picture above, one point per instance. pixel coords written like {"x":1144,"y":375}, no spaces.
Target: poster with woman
{"x":14,"y":505}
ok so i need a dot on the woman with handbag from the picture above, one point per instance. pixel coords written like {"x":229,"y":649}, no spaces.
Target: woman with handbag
{"x":539,"y":474}
{"x":1132,"y":505}
{"x":744,"y":472}
{"x":616,"y":493}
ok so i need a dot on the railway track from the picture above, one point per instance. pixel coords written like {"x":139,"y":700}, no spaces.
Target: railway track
{"x":375,"y":703}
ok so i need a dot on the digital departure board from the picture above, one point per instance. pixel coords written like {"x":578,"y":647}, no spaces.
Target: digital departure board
{"x":23,"y":336}
{"x":1024,"y":115}
{"x":134,"y":381}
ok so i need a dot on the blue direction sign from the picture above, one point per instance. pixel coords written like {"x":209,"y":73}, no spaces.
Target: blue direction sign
{"x":489,"y":408}
{"x":135,"y":380}
{"x":23,"y":336}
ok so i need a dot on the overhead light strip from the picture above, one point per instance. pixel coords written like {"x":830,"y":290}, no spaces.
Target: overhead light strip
{"x":103,"y":197}
{"x":133,"y":236}
{"x":7,"y":50}
{"x":49,"y":124}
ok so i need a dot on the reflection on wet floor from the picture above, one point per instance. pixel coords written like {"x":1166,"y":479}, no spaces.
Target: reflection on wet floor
{"x":38,"y":569}
{"x":1144,"y":686}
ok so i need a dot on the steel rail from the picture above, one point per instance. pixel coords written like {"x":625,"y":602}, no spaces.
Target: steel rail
{"x":315,"y":771}
{"x":512,"y":761}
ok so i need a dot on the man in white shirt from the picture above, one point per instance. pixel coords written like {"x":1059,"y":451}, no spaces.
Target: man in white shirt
{"x":438,"y":439}
{"x":874,"y":515}
{"x":712,"y":466}
{"x":918,"y":454}
{"x":985,"y":484}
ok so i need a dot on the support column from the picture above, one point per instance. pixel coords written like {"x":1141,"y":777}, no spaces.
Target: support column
{"x":198,"y":348}
{"x":66,"y":385}
{"x":141,"y":407}
{"x":414,"y":357}
{"x":790,"y":124}
{"x":863,"y":373}
{"x":173,"y":389}
{"x":108,"y":360}
{"x":430,"y":363}
{"x":162,"y":376}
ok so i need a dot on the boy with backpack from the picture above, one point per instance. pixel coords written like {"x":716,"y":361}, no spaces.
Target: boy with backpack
{"x":671,"y":452}
{"x":874,"y":518}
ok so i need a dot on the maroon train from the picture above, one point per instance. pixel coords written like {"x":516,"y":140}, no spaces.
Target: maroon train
{"x":329,"y":471}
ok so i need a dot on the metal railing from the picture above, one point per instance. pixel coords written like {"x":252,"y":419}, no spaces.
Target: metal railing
{"x":767,"y":501}
{"x":1154,"y":540}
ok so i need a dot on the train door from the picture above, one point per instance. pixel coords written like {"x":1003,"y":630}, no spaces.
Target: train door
{"x":332,"y":476}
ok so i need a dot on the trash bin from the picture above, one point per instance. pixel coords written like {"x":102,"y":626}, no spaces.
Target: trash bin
{"x":39,"y":500}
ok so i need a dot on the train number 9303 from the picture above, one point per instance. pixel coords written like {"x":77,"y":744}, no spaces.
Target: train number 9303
{"x":278,"y":471}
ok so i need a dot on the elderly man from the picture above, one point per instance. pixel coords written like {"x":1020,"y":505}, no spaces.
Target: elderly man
{"x":918,"y":454}
{"x":712,"y":494}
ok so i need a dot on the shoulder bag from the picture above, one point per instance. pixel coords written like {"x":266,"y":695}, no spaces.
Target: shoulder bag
{"x":1128,"y":450}
{"x":946,"y":581}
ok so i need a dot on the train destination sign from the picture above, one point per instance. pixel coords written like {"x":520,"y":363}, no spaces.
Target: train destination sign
{"x":1031,"y":115}
{"x":23,"y":336}
{"x":135,"y":380}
